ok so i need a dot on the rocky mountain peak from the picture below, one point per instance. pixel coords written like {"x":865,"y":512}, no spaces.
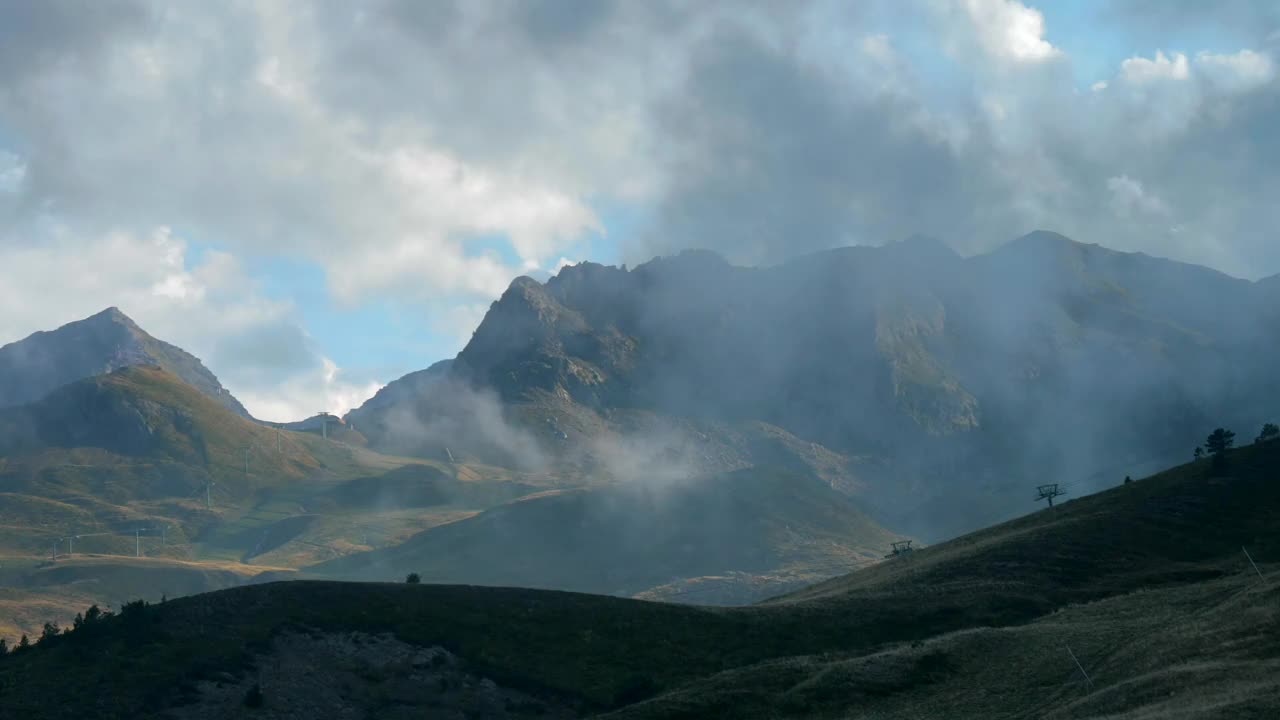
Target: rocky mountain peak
{"x":101,"y":343}
{"x":111,"y":315}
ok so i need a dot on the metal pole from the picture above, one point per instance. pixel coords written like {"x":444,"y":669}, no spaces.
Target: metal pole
{"x":208,"y":495}
{"x":1087,"y":679}
{"x":1251,"y":562}
{"x":70,"y":551}
{"x":137,"y":542}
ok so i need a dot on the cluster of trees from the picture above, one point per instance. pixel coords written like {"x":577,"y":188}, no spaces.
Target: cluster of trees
{"x":1222,"y":440}
{"x":84,"y":625}
{"x":84,"y":622}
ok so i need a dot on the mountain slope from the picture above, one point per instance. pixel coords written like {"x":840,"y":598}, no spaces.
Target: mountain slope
{"x":1146,"y":583}
{"x":31,"y":368}
{"x":143,"y":411}
{"x":943,"y":376}
{"x":752,"y":525}
{"x":137,"y":462}
{"x":139,"y":444}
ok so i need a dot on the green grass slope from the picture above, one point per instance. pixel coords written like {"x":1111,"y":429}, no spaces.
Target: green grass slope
{"x":86,"y":466}
{"x":628,"y":538}
{"x":139,"y":445}
{"x":1146,"y":583}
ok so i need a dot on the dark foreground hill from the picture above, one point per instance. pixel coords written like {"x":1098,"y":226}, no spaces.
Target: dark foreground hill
{"x":31,"y":368}
{"x":1147,"y":585}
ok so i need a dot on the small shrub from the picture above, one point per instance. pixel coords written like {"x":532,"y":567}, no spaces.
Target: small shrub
{"x":413,"y":578}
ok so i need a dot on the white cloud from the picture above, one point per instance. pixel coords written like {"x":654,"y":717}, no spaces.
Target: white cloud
{"x":246,"y":140}
{"x":1167,"y":97}
{"x":1141,"y":70}
{"x":458,"y":322}
{"x":1010,"y":30}
{"x":878,"y":48}
{"x":1129,"y":199}
{"x":13,"y":171}
{"x":1236,"y":72}
{"x":1239,"y":72}
{"x":996,"y":109}
{"x":1099,"y":86}
{"x":305,"y":394}
{"x":210,"y":308}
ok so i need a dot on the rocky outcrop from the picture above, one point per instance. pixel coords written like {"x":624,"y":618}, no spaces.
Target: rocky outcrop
{"x":359,"y":675}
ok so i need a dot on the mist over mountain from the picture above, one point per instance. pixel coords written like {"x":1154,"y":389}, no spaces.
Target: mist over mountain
{"x":949,"y":379}
{"x":785,"y":529}
{"x":102,"y":343}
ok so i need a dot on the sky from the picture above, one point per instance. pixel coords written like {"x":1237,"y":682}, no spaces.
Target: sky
{"x":318,"y":197}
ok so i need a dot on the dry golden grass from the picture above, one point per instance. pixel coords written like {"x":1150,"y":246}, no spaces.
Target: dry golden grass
{"x":35,"y":591}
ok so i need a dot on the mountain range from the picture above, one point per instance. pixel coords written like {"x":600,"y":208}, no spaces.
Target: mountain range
{"x":686,"y":431}
{"x":934,"y":382}
{"x":683,"y":429}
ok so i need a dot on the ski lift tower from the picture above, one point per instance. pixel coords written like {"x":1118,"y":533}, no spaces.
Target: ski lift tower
{"x":901,"y":547}
{"x":1048,"y":492}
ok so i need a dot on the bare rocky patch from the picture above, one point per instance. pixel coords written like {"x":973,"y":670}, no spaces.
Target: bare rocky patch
{"x":359,"y":676}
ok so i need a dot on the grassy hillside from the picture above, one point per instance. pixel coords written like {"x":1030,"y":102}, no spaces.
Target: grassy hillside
{"x":628,"y":538}
{"x":1208,"y":649}
{"x":1146,"y":583}
{"x":138,"y":449}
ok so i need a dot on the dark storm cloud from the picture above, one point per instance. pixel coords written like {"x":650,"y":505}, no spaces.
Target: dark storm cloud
{"x":768,"y":156}
{"x":771,"y":148}
{"x":34,"y":33}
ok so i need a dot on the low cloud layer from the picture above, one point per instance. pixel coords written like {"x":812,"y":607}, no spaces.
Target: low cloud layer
{"x":424,"y":154}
